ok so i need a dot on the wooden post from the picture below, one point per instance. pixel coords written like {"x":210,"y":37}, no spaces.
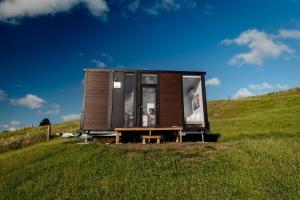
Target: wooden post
{"x":177,"y":137}
{"x":48,"y":132}
{"x":180,"y":136}
{"x":117,"y":137}
{"x":149,"y":134}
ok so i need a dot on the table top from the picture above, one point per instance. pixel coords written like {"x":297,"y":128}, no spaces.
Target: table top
{"x":173,"y":128}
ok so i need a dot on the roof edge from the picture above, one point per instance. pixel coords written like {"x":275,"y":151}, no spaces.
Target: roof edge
{"x":140,"y":70}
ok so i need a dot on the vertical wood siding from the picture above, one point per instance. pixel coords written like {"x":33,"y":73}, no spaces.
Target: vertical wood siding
{"x":118,"y":102}
{"x":96,"y":101}
{"x":170,"y":99}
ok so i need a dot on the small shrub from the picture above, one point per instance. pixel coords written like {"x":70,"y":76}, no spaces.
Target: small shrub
{"x":45,"y":122}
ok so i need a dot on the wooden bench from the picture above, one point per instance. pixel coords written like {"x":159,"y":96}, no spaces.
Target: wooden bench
{"x":157,"y":137}
{"x":178,"y":130}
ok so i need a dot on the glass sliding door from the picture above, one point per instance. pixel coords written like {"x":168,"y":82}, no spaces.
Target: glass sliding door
{"x":148,"y":106}
{"x":129,"y":102}
{"x":149,"y":100}
{"x":193,"y":101}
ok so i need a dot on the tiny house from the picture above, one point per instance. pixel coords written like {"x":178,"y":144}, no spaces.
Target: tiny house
{"x":143,"y":98}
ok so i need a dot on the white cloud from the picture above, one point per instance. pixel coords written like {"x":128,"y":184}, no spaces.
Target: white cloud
{"x":208,"y":10}
{"x":266,"y":87}
{"x":282,"y":87}
{"x":157,"y":6}
{"x":12,"y":10}
{"x":70,"y":117}
{"x":107,"y":57}
{"x":99,"y":64}
{"x":50,"y":110}
{"x":15,"y":123}
{"x":6,"y":126}
{"x":259,"y":89}
{"x":213,"y":82}
{"x":261,"y":46}
{"x":82,"y":82}
{"x":162,"y":5}
{"x":289,"y":34}
{"x":2,"y":95}
{"x":262,"y":86}
{"x":242,"y":93}
{"x":12,"y":129}
{"x":134,"y":5}
{"x":30,"y":100}
{"x":11,"y":126}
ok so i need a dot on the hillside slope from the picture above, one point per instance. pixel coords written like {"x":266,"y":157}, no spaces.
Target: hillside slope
{"x":32,"y":135}
{"x":61,"y":169}
{"x":277,"y":113}
{"x":260,"y":160}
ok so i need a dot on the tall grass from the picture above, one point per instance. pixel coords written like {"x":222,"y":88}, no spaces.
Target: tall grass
{"x":28,"y":136}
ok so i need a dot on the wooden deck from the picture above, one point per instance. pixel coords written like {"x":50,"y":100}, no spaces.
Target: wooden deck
{"x":149,"y":130}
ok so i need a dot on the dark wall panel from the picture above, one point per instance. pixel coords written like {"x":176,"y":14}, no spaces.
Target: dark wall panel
{"x":96,"y":100}
{"x":118,"y":101}
{"x":170,"y":99}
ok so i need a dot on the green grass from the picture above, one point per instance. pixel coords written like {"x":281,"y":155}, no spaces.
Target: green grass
{"x":257,"y":157}
{"x":250,"y":169}
{"x":28,"y":136}
{"x":260,"y":115}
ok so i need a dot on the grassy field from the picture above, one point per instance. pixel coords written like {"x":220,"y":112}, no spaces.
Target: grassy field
{"x":29,"y":136}
{"x":257,"y":157}
{"x":258,"y":116}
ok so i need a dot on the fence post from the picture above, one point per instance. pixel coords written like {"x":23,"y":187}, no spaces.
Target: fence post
{"x":48,"y":132}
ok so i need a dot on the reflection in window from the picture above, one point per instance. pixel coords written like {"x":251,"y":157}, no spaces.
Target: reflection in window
{"x":149,"y":106}
{"x":129,"y":113}
{"x":149,"y":79}
{"x":192,"y":99}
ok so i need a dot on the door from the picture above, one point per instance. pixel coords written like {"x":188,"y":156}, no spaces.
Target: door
{"x":148,"y":96}
{"x":149,"y":106}
{"x":129,"y":100}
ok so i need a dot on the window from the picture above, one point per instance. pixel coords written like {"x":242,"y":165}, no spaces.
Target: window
{"x":129,"y":104}
{"x":192,"y":99}
{"x":149,"y":79}
{"x":149,"y":106}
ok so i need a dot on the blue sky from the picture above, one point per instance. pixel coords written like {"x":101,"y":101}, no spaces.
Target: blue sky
{"x":247,"y":47}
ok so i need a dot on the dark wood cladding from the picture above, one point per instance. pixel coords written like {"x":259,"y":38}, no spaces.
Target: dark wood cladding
{"x":96,"y":100}
{"x":170,"y":99}
{"x":118,"y":101}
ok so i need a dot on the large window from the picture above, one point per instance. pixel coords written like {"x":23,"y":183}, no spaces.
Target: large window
{"x":149,"y":106}
{"x":192,"y":99}
{"x":129,"y":105}
{"x":149,"y":103}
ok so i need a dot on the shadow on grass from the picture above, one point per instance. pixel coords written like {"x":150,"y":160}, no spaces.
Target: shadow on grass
{"x":136,"y":138}
{"x":208,"y":137}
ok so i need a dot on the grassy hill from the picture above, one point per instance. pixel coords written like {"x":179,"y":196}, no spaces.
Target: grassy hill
{"x":257,"y":157}
{"x":32,"y":135}
{"x":257,"y":116}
